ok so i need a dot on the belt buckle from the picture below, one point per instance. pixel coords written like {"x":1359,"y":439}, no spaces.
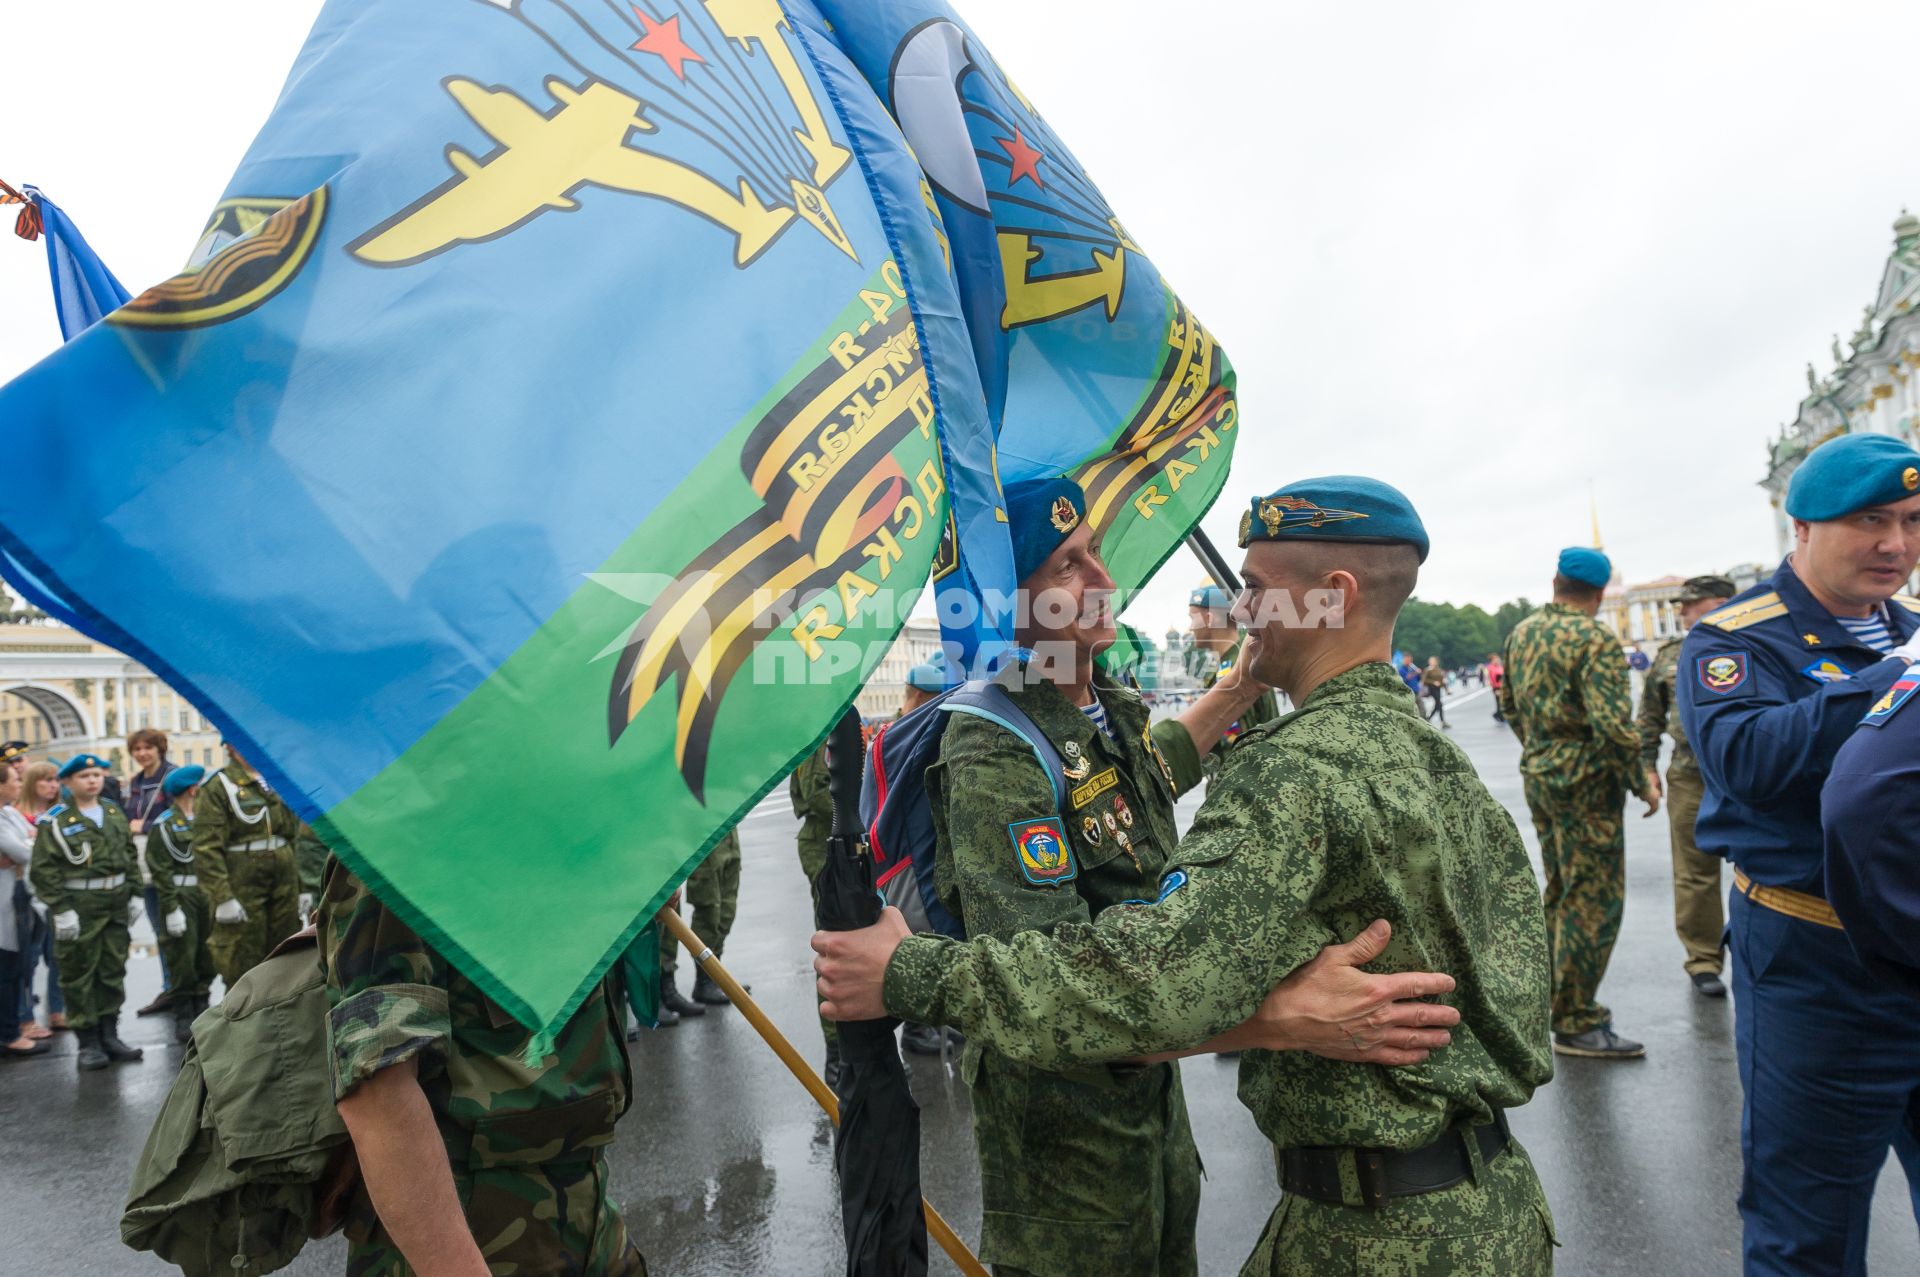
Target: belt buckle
{"x":1369,"y":1170}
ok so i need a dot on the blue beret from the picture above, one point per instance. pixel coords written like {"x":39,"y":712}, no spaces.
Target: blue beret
{"x":1335,"y":507}
{"x":1041,"y":513}
{"x":1851,"y":473}
{"x":181,"y":779}
{"x":1589,"y":567}
{"x":1210,"y":596}
{"x":80,"y":762}
{"x":929,"y":676}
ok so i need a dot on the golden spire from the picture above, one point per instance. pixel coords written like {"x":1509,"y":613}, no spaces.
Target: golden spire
{"x":1593,"y":509}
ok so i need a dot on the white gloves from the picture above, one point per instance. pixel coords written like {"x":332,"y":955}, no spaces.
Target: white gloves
{"x":230,"y":912}
{"x":136,"y":909}
{"x":306,"y":905}
{"x":66,"y":925}
{"x":177,"y":923}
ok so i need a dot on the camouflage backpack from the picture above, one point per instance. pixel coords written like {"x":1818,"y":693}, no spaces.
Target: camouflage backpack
{"x":248,"y":1159}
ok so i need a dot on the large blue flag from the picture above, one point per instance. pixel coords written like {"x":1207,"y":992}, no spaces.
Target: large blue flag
{"x":84,"y":290}
{"x":579,"y":397}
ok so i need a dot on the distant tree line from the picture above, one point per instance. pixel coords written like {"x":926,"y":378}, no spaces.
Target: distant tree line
{"x":1457,"y":635}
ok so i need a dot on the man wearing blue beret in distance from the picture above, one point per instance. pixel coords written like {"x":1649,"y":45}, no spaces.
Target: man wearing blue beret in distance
{"x":1567,"y":695}
{"x":1216,"y":650}
{"x":1346,"y":810}
{"x":186,"y":919}
{"x":85,"y":872}
{"x":1771,"y":687}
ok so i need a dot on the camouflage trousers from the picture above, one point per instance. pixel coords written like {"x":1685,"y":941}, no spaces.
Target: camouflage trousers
{"x":713,"y":891}
{"x":1583,"y":850}
{"x":1496,"y":1224}
{"x":813,"y":858}
{"x":268,"y":888}
{"x":546,"y":1219}
{"x":93,"y":966}
{"x":1092,"y":1172}
{"x":189,"y":962}
{"x":1698,"y":916}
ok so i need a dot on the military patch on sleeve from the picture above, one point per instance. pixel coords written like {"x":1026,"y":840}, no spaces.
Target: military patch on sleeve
{"x":1899,"y":694}
{"x":1723,"y":674}
{"x":1827,"y":670}
{"x":1170,"y":884}
{"x":1041,"y":848}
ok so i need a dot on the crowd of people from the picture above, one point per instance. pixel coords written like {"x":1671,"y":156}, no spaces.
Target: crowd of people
{"x":218,"y":865}
{"x":1352,"y":914}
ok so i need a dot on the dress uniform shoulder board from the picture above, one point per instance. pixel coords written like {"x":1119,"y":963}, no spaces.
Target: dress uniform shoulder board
{"x":1738,"y":616}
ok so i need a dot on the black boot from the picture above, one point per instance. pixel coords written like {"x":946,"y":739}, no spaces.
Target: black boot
{"x":91,"y":1055}
{"x":832,"y":1072}
{"x":670,"y":999}
{"x":117,"y":1051}
{"x":705,"y":990}
{"x":184,"y":1010}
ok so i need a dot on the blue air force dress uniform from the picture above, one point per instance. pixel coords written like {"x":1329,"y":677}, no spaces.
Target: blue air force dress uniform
{"x":1870,"y":809}
{"x":1771,"y":687}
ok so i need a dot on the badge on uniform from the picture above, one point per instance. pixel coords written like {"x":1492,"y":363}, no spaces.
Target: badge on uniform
{"x":1075,"y":765}
{"x":1827,"y":670}
{"x":1899,"y":694}
{"x":1724,"y":674}
{"x":1091,"y":828}
{"x":1124,"y":812}
{"x":1042,"y":850}
{"x":1084,"y":794}
{"x":1170,"y":884}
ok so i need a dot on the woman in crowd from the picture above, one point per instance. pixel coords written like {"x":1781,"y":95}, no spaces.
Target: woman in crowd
{"x":16,"y":920}
{"x":145,"y":805}
{"x":40,"y":790}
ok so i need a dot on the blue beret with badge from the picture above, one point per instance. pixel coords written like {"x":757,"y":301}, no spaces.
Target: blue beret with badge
{"x":928,"y":676}
{"x":80,"y":762}
{"x":1589,"y":567}
{"x":1850,"y":473}
{"x":1041,"y":513}
{"x":181,"y":779}
{"x":1336,"y":507}
{"x":1210,"y":596}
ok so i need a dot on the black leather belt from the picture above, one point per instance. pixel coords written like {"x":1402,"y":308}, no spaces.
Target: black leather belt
{"x":1380,"y":1174}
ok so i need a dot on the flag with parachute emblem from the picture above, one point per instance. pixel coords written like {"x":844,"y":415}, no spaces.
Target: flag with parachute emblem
{"x":561,"y":411}
{"x":1092,"y":366}
{"x":552,"y":425}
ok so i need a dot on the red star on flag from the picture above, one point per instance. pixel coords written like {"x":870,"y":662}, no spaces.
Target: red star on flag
{"x":663,"y":41}
{"x":1026,"y":160}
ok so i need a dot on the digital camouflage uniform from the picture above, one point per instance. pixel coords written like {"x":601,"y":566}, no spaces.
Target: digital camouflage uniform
{"x":1086,"y":1169}
{"x":1568,"y":698}
{"x":75,"y":862}
{"x":1342,"y":811}
{"x":813,"y":804}
{"x":249,"y":846}
{"x":527,"y":1145}
{"x":176,"y":882}
{"x":713,"y":891}
{"x":1697,"y":915}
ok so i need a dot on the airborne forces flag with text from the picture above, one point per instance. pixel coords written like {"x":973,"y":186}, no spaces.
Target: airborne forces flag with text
{"x":582,"y":394}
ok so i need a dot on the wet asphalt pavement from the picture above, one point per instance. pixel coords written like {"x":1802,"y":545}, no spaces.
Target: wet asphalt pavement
{"x":724,"y":1166}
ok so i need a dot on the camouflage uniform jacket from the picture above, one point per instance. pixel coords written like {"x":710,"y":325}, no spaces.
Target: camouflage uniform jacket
{"x":1568,"y":698}
{"x":394,"y":998}
{"x":68,"y":845}
{"x":1115,"y":821}
{"x":170,"y":857}
{"x":249,"y":811}
{"x":813,"y":804}
{"x":1347,"y":809}
{"x":1660,"y":712}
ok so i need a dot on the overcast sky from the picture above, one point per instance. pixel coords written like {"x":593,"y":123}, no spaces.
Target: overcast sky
{"x":1493,"y":253}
